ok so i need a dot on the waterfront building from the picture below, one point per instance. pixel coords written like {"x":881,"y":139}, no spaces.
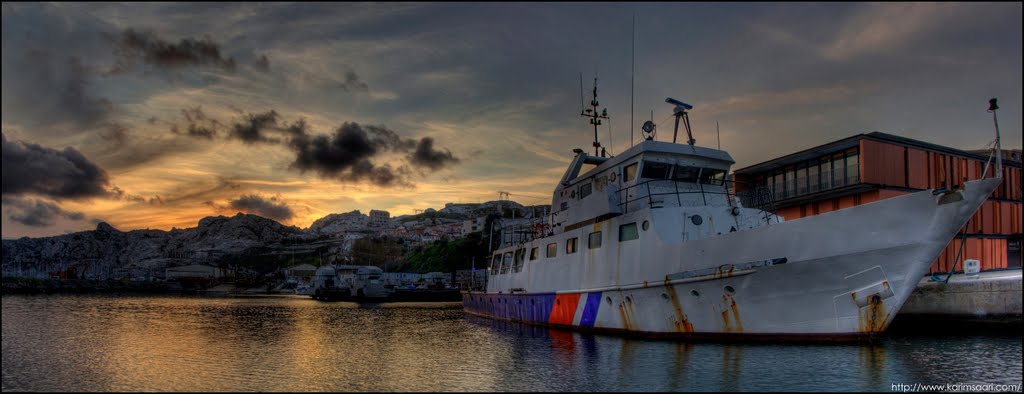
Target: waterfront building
{"x":870,"y":167}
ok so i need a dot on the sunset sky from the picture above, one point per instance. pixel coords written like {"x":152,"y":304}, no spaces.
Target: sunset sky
{"x":157,"y":115}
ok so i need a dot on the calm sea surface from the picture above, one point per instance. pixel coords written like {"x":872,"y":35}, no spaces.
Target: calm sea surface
{"x":139,"y":343}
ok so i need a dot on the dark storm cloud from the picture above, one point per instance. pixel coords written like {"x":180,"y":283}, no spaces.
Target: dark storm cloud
{"x":33,"y":169}
{"x":36,"y":213}
{"x":145,"y":45}
{"x":268,"y":208}
{"x":426,"y":156}
{"x":347,"y":152}
{"x":249,"y":128}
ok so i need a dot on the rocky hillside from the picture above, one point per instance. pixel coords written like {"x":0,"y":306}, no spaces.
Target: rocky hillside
{"x":339,"y":222}
{"x":101,"y":252}
{"x":109,"y":253}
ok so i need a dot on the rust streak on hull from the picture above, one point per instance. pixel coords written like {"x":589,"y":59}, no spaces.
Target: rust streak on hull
{"x":681,"y":322}
{"x":731,"y":321}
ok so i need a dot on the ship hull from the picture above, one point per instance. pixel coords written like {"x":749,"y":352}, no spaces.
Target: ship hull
{"x":842,"y":275}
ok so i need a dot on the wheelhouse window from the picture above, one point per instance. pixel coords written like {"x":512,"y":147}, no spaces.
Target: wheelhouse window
{"x":570,"y":245}
{"x":594,"y":241}
{"x":520,"y":257}
{"x":711,"y":176}
{"x":495,"y":264}
{"x":629,"y":173}
{"x":506,"y":262}
{"x":534,"y":253}
{"x":552,"y":249}
{"x":685,"y":174}
{"x":628,"y":232}
{"x":655,"y":170}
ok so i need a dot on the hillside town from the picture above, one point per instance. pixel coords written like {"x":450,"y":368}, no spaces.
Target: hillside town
{"x":442,"y":248}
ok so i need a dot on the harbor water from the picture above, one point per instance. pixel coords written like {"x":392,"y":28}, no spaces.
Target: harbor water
{"x":168,"y":343}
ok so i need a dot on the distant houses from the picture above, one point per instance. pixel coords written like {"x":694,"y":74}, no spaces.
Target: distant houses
{"x":379,"y":218}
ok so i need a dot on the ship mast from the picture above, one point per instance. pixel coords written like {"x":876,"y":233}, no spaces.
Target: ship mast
{"x":595,"y":119}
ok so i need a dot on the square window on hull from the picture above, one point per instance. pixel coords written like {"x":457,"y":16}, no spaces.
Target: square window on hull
{"x":594,"y":241}
{"x":628,"y":232}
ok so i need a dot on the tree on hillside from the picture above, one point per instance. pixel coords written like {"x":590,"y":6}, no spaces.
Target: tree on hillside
{"x":449,"y":255}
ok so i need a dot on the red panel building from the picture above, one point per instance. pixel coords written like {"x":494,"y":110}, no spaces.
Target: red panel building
{"x":874,"y":166}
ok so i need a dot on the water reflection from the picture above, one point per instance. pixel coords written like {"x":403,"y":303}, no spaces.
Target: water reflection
{"x":92,"y":343}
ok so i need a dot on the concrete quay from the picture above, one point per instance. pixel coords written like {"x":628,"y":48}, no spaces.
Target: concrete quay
{"x":990,"y":298}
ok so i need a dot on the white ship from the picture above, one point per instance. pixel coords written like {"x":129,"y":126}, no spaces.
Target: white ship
{"x":657,"y":241}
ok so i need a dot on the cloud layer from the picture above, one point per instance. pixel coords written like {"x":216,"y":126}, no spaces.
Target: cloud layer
{"x":36,"y":213}
{"x":34,"y":169}
{"x":335,"y":107}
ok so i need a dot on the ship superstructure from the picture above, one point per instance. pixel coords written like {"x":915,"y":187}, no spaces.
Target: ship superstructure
{"x":658,"y":241}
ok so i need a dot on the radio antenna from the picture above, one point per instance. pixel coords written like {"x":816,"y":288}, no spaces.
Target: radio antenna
{"x":632,"y":76}
{"x":718,"y":133}
{"x":595,"y":118}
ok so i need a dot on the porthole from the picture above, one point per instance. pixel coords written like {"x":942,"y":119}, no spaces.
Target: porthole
{"x":696,"y":219}
{"x":645,"y":225}
{"x":664,"y":296}
{"x":608,"y":300}
{"x":612,"y":177}
{"x":558,"y":302}
{"x":729,"y":290}
{"x":629,"y":300}
{"x":695,"y":293}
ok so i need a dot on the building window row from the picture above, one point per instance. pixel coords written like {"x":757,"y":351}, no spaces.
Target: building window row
{"x":812,"y":176}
